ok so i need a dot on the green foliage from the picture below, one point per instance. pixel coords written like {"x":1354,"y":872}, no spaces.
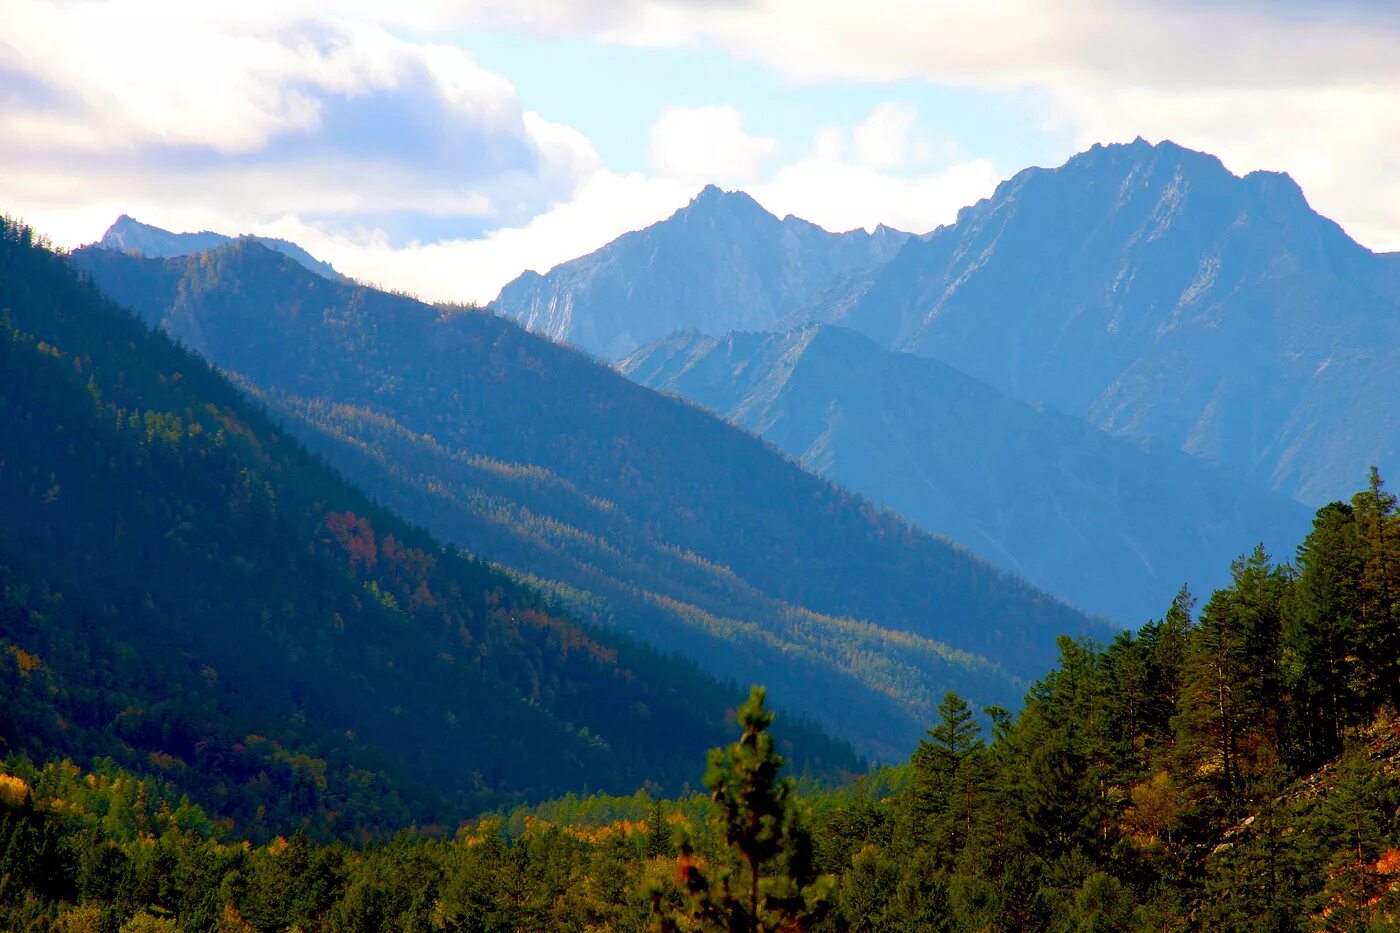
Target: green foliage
{"x":1240,"y":771}
{"x":186,"y":591}
{"x":770,"y":880}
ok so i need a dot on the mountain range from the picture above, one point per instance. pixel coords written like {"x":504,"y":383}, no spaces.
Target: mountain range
{"x":640,"y":512}
{"x":720,"y":263}
{"x":1144,"y":288}
{"x":128,"y":235}
{"x":186,"y":592}
{"x":1239,"y":348}
{"x":1114,"y":525}
{"x":1151,"y":291}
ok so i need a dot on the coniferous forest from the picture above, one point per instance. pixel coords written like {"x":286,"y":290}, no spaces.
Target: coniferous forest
{"x":1229,"y":766}
{"x":193,"y":740}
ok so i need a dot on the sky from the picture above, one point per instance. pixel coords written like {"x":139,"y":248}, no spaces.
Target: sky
{"x":444,"y":147}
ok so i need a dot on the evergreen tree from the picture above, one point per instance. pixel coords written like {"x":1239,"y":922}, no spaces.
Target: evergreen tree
{"x":771,"y":883}
{"x":1231,"y":705}
{"x":935,"y":790}
{"x":1378,"y":596}
{"x":658,"y":840}
{"x":1165,"y":644}
{"x":1327,"y":687}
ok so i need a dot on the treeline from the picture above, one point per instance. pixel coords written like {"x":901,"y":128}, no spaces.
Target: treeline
{"x":1232,"y":769}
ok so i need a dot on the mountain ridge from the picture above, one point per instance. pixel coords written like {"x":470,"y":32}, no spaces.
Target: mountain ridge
{"x":528,"y":453}
{"x":1113,"y":525}
{"x":127,"y":234}
{"x":749,"y":266}
{"x":186,"y":591}
{"x":1174,"y":299}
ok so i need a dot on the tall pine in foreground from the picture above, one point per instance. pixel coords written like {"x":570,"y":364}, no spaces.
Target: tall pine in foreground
{"x":770,"y":882}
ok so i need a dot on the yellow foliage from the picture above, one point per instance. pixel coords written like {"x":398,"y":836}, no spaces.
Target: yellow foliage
{"x":28,"y":663}
{"x":13,"y":791}
{"x":84,"y":919}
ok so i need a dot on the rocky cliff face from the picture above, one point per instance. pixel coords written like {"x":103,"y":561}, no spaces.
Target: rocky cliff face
{"x":1152,"y":291}
{"x":720,"y":263}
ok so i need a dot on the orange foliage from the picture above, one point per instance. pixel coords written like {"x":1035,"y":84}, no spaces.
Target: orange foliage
{"x":1389,"y":862}
{"x":355,"y":536}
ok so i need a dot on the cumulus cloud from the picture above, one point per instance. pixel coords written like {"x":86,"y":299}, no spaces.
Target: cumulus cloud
{"x":182,"y":110}
{"x":884,"y":169}
{"x":706,"y":144}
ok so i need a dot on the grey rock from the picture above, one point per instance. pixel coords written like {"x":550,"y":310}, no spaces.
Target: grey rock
{"x":721,"y":263}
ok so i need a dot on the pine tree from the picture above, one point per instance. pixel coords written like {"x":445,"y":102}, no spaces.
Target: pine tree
{"x":1378,"y":528}
{"x":771,"y":883}
{"x":658,"y":832}
{"x":1165,"y":643}
{"x":1327,"y":687}
{"x":934,"y":789}
{"x":1231,"y":705}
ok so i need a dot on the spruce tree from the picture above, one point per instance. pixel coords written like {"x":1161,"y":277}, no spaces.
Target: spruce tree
{"x":1231,"y":707}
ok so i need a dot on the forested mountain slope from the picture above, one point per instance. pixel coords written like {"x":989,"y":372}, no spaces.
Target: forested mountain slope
{"x":185,"y":590}
{"x":721,"y":263}
{"x":1153,"y":292}
{"x":659,"y":517}
{"x":1235,"y":768}
{"x":1113,"y":525}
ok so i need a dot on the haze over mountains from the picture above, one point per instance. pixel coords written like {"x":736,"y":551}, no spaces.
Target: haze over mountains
{"x":640,"y":511}
{"x":1143,"y":289}
{"x":1112,"y":524}
{"x":1023,"y":383}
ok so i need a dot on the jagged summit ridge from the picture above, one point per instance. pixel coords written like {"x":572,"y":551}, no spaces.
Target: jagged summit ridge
{"x":128,"y":235}
{"x":743,"y":267}
{"x":1153,"y":291}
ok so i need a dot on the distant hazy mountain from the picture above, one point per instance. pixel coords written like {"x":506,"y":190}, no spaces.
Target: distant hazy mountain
{"x":1155,"y":293}
{"x":129,"y":235}
{"x":1113,"y":525}
{"x":641,"y":511}
{"x":721,"y":263}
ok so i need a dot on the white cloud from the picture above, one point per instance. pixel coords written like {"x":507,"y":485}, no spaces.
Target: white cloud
{"x":706,"y":144}
{"x":1242,"y":78}
{"x":606,"y":206}
{"x":245,"y":111}
{"x":882,"y":139}
{"x":401,"y":160}
{"x":841,"y":195}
